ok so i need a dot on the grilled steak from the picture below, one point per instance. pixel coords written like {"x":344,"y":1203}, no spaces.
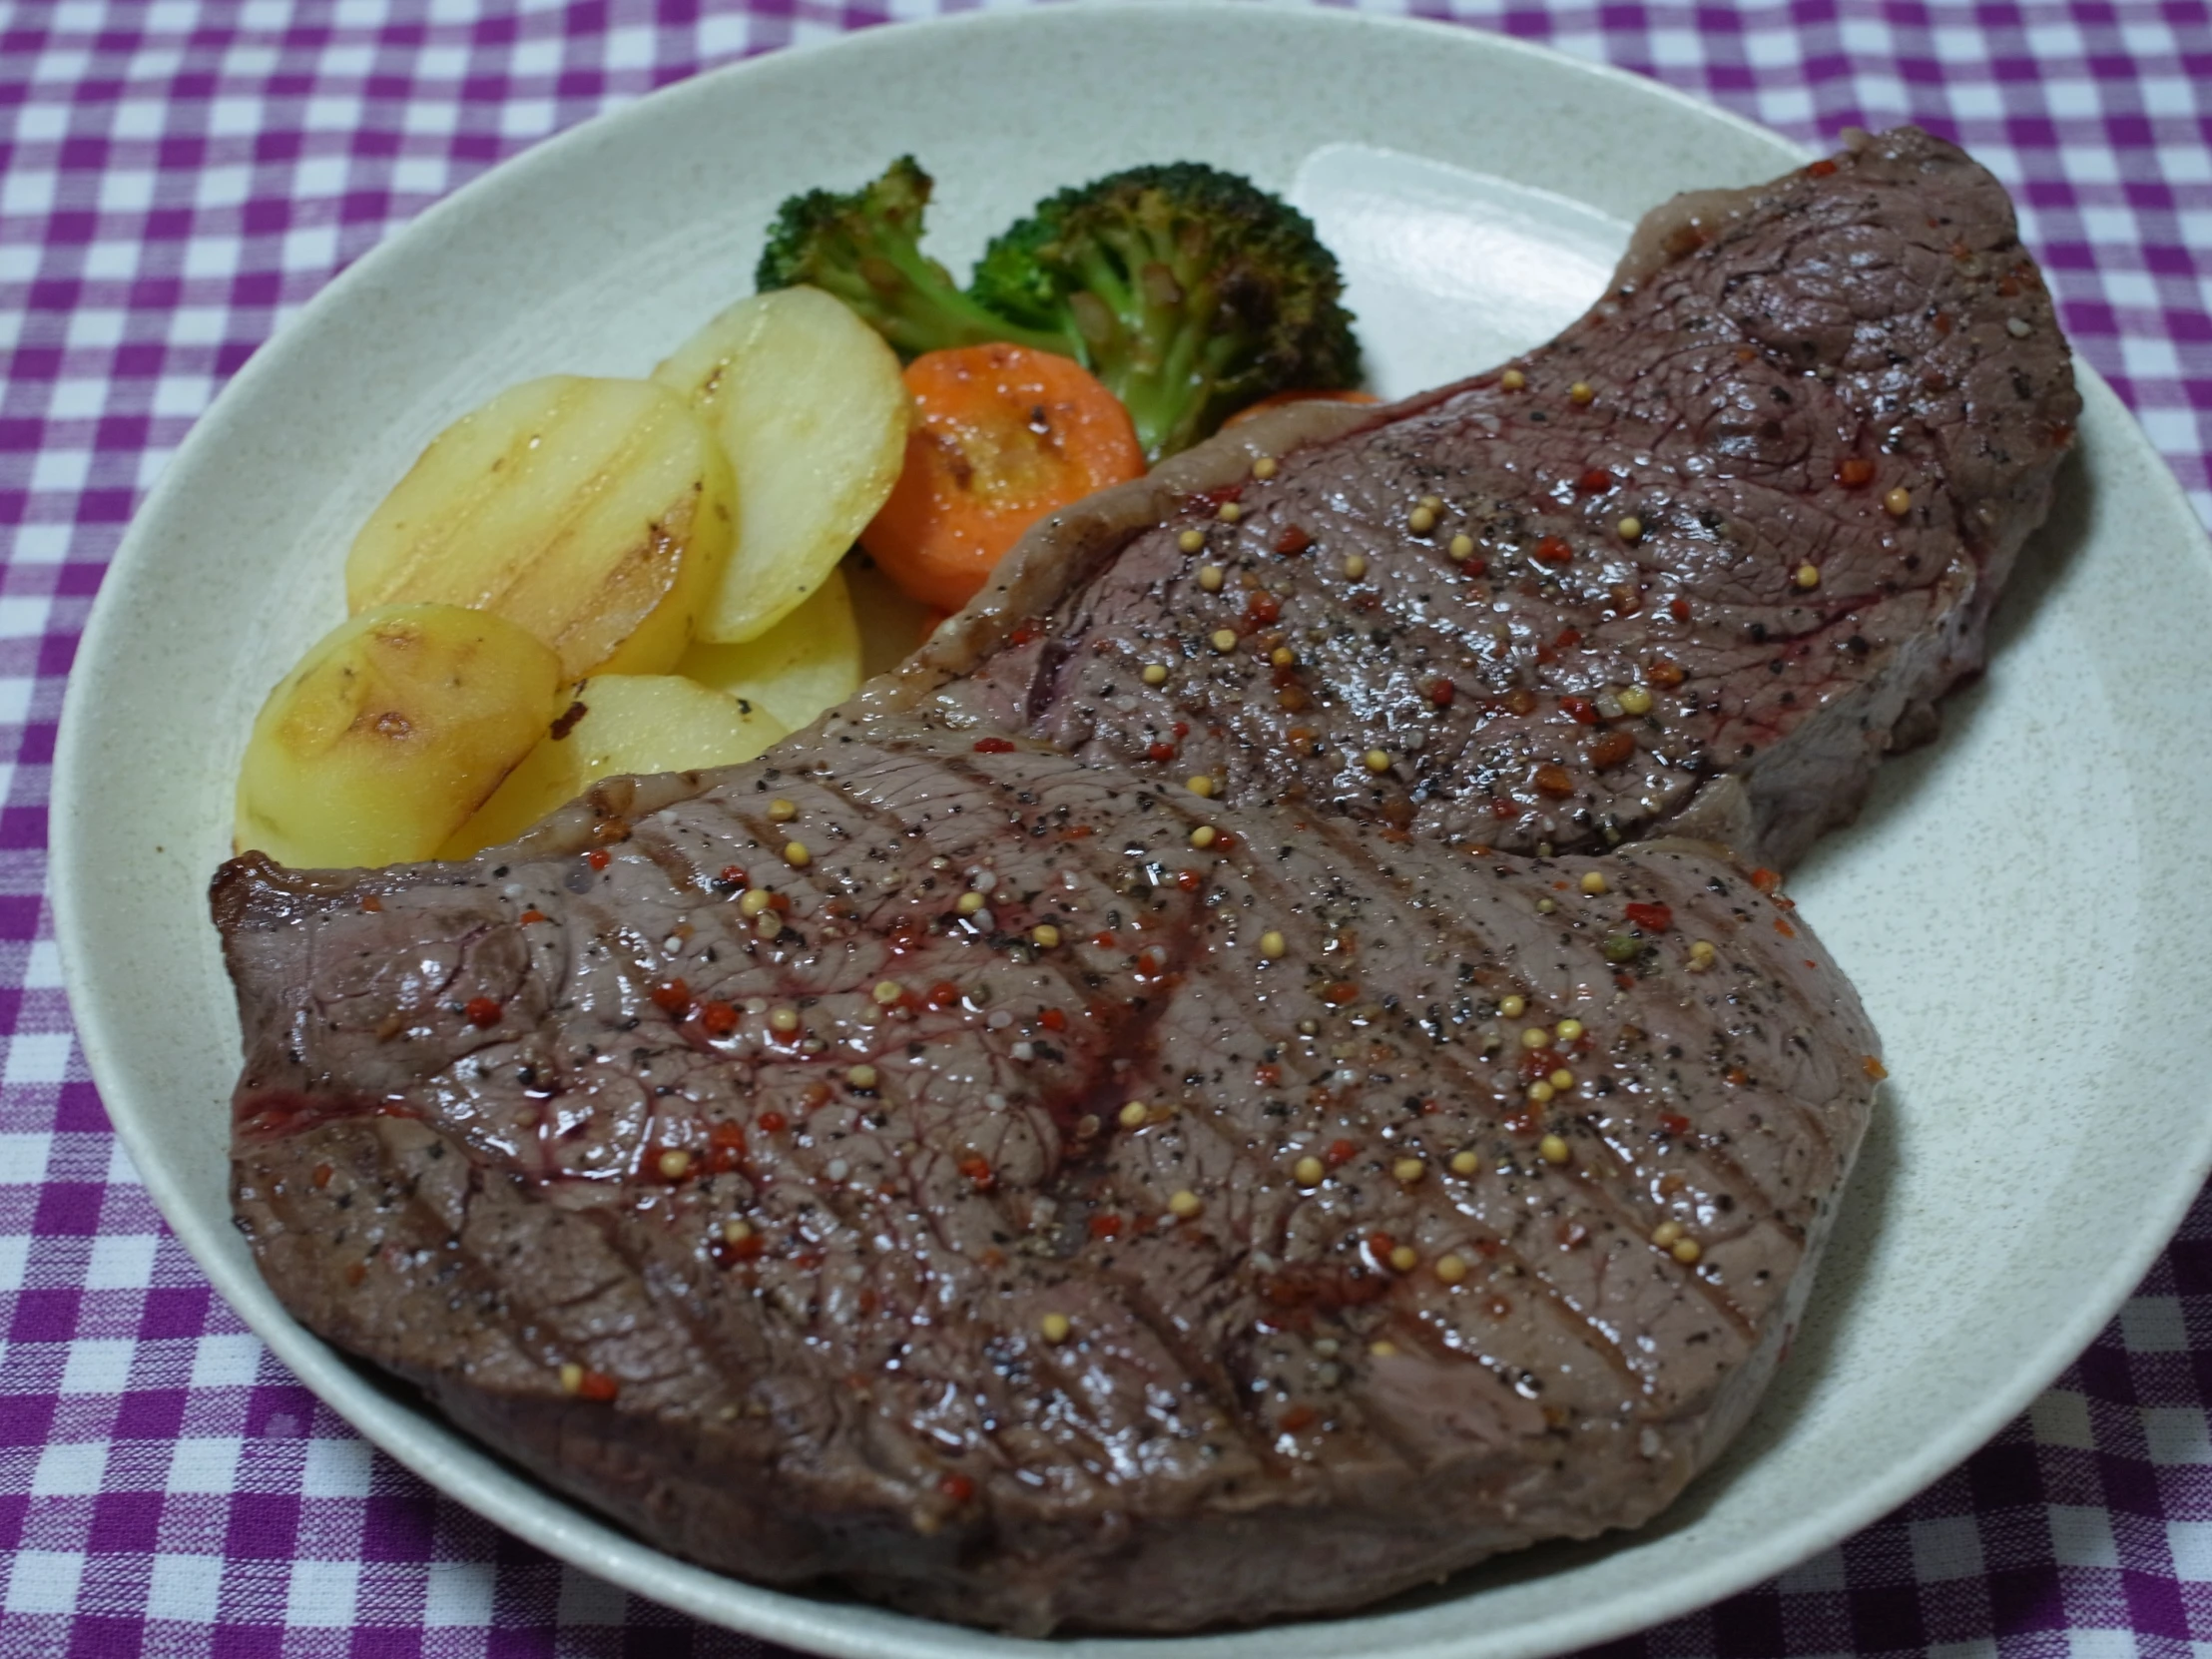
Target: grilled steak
{"x":1745,"y":520}
{"x":1032,"y":1283}
{"x":954,"y":1158}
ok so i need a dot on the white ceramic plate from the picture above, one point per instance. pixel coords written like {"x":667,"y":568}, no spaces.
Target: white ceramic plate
{"x":2023,"y":905}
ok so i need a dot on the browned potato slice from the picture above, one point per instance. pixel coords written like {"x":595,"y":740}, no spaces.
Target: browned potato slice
{"x":595,"y":513}
{"x":809,"y":404}
{"x":806,"y":663}
{"x":395,"y":728}
{"x":632,"y":723}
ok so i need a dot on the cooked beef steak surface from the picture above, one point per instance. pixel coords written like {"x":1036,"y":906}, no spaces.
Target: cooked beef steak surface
{"x":1745,"y":520}
{"x":1061,"y":1197}
{"x":808,"y":1189}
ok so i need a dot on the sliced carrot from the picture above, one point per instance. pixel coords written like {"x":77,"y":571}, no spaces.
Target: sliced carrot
{"x":1002,"y":437}
{"x":1300,"y":395}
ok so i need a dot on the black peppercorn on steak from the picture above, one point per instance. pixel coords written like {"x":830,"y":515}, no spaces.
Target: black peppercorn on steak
{"x":1128,"y":1124}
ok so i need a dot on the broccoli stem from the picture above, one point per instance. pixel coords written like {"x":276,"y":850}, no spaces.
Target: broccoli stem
{"x":923,"y":312}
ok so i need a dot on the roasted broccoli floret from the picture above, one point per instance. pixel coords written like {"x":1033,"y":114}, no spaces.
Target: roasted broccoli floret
{"x":1190,"y":292}
{"x":866,"y":247}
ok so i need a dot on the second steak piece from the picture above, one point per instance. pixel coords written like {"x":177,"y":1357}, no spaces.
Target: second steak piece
{"x":1695,"y":566}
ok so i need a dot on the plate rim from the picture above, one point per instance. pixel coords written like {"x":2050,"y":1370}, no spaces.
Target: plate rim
{"x":428,"y":1446}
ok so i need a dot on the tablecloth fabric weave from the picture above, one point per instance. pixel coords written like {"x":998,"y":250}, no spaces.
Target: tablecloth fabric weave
{"x":177,"y":177}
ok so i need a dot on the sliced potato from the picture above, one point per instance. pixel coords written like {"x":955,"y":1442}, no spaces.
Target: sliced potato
{"x":392,"y":729}
{"x":799,"y":666}
{"x":892,"y":626}
{"x":631,"y":724}
{"x":809,"y":404}
{"x":595,"y":513}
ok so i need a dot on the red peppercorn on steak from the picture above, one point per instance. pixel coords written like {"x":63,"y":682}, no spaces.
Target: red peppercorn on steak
{"x":1257,"y":1071}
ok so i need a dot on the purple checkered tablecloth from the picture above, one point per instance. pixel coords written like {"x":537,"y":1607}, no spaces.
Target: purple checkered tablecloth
{"x":175,"y":178}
